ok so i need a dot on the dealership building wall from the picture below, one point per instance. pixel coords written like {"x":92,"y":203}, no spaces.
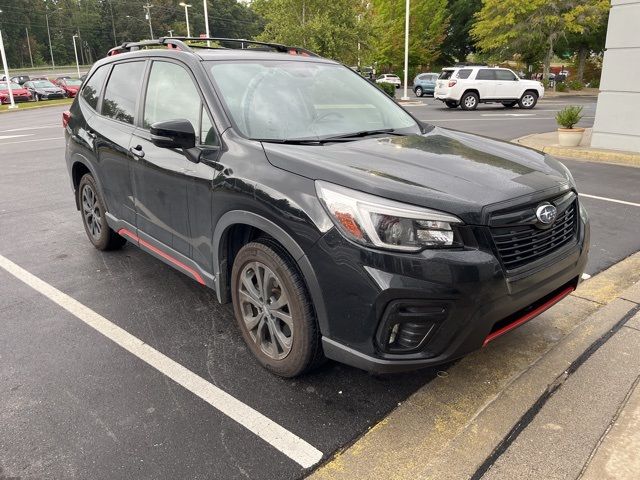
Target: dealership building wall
{"x":617,"y":122}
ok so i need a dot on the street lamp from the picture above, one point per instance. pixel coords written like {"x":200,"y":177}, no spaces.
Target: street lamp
{"x":406,"y":49}
{"x":186,"y":14}
{"x":206,"y":19}
{"x":75,"y":50}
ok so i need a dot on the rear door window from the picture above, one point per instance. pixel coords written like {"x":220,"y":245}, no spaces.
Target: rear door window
{"x":505,"y":75}
{"x":122,"y":91}
{"x":485,"y":74}
{"x":93,"y":88}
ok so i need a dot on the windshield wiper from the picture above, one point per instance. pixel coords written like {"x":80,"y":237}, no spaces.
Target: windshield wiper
{"x":335,"y":138}
{"x":360,"y":134}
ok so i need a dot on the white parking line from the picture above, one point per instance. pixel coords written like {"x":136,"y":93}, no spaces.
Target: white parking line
{"x":606,"y":199}
{"x":286,"y":442}
{"x":31,"y":128}
{"x":6,"y":137}
{"x":34,"y":140}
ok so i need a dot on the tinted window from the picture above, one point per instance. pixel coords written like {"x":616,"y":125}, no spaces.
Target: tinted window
{"x":505,"y":75}
{"x":485,"y":74}
{"x":122,"y":90}
{"x":91,"y":91}
{"x":464,"y":73}
{"x":446,"y":74}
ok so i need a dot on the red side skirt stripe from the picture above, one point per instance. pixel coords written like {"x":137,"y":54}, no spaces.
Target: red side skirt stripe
{"x":533,"y":313}
{"x":126,"y":233}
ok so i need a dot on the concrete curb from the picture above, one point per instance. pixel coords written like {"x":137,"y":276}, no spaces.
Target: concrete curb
{"x":628,"y":159}
{"x":449,"y":427}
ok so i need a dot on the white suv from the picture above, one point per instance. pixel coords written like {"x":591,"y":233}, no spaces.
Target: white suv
{"x":468,"y":86}
{"x":389,"y":78}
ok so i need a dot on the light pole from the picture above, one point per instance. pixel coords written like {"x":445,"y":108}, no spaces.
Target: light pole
{"x":186,"y":14}
{"x":406,"y":49}
{"x":6,"y":72}
{"x":75,"y":50}
{"x":206,"y":20}
{"x":147,"y":9}
{"x":46,"y":16}
{"x":29,"y":45}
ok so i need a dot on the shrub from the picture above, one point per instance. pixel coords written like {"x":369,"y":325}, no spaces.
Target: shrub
{"x":561,"y":87}
{"x":387,"y":88}
{"x":595,"y":83}
{"x":576,"y":85}
{"x":569,"y":116}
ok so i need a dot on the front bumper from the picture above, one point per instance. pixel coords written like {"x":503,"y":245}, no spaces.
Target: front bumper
{"x":479,"y":299}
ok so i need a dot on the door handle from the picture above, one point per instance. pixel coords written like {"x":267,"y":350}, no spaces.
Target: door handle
{"x":137,"y":151}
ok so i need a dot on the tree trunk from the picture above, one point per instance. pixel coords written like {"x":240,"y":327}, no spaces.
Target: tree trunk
{"x":582,"y":60}
{"x":547,"y":59}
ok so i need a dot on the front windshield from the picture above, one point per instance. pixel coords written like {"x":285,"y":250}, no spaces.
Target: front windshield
{"x":14,"y":86}
{"x":294,"y":100}
{"x":43,"y":84}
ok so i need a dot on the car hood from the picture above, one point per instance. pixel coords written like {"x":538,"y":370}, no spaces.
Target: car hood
{"x":452,"y":171}
{"x":18,"y":91}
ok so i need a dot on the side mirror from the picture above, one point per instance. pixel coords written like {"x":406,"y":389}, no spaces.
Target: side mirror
{"x":173,"y":134}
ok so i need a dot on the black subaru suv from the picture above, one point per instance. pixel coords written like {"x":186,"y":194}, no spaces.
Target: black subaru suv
{"x":337,"y":224}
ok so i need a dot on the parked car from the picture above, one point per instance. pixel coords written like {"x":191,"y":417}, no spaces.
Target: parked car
{"x":425,"y":83}
{"x":39,"y":78}
{"x":44,"y":90}
{"x":20,"y":94}
{"x":69,"y":85}
{"x":468,"y":86}
{"x":336,"y":223}
{"x":389,"y":78}
{"x":20,"y":79}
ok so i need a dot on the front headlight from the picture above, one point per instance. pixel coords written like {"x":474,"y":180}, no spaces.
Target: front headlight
{"x":382,"y":223}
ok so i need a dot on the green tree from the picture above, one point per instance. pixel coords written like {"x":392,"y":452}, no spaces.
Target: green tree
{"x":331,"y":29}
{"x":428,"y":23}
{"x":458,"y":43}
{"x":507,"y":27}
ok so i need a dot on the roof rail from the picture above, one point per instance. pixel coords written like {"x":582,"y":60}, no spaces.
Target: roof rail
{"x":179,"y":43}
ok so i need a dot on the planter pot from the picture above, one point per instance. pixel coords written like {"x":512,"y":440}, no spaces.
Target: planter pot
{"x":570,"y":137}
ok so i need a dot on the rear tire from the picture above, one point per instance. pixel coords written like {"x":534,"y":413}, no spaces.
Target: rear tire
{"x":529,"y":100}
{"x":451,"y":104}
{"x":419,"y":91}
{"x":94,"y":220}
{"x":273,"y":309}
{"x":469,"y":101}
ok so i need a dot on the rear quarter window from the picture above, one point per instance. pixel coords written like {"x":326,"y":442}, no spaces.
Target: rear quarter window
{"x":93,"y":88}
{"x":464,"y":73}
{"x":446,"y":74}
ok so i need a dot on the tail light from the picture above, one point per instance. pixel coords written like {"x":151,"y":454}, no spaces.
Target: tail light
{"x":452,"y":83}
{"x":66,"y":116}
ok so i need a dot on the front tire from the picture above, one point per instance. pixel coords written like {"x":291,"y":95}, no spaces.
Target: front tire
{"x":273,"y":309}
{"x":469,"y":101}
{"x":93,"y":216}
{"x":419,"y":91}
{"x":529,"y":100}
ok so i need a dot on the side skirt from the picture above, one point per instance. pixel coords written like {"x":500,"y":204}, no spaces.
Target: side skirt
{"x":161,"y":251}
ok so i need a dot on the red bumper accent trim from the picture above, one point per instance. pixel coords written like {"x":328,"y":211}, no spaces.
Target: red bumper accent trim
{"x":126,"y":233}
{"x":532,"y":314}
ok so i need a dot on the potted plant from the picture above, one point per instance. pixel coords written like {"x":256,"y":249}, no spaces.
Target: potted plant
{"x":569,"y":135}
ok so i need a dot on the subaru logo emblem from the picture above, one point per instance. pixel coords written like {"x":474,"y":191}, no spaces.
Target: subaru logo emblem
{"x":546,"y":213}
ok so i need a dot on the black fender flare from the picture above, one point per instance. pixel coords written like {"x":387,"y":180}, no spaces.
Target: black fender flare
{"x":77,"y":158}
{"x":234,"y":217}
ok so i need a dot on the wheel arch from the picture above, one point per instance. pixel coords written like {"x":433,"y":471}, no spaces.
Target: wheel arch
{"x":79,"y":167}
{"x":470,"y":90}
{"x":252,"y":225}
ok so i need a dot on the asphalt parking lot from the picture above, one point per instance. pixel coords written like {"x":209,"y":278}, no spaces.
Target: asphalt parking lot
{"x":75,"y":404}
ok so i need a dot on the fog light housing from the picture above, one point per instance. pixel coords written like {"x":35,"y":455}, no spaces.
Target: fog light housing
{"x":408,"y":325}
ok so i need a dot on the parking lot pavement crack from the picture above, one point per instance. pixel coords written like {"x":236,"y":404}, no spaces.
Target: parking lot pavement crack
{"x":531,"y":413}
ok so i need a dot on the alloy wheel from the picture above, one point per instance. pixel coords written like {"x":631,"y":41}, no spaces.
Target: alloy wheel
{"x":470,"y":101}
{"x":91,"y":212}
{"x":264,"y":305}
{"x":528,"y":100}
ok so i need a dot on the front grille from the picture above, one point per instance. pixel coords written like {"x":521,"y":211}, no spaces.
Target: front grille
{"x":522,"y":244}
